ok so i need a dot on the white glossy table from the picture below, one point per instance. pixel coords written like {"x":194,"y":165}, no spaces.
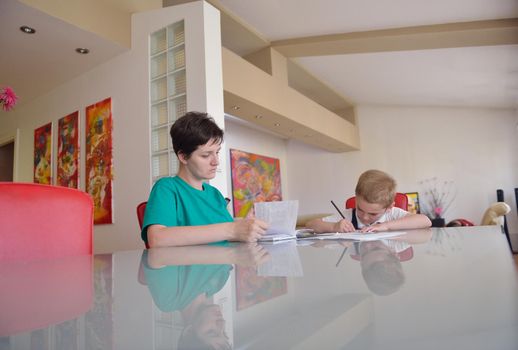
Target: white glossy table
{"x":455,"y":288}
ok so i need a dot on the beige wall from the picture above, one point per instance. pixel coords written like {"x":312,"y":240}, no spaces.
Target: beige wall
{"x":476,"y":148}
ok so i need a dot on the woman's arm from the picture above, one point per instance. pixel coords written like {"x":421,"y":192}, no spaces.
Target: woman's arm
{"x":241,"y":230}
{"x":252,"y":254}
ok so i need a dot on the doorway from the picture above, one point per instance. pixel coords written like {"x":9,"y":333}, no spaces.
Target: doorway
{"x":7,"y":161}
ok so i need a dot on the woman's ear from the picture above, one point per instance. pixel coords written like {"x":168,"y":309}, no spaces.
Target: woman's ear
{"x":182,"y":157}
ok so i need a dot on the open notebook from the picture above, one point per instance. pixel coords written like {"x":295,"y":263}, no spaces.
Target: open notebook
{"x":282,"y":218}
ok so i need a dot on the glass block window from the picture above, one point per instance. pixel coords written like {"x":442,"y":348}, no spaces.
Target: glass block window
{"x":168,"y":94}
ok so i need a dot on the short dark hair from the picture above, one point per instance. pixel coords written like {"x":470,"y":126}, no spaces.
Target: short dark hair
{"x":194,"y":129}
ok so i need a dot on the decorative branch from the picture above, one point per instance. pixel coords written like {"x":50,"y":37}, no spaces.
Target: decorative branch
{"x":439,"y":196}
{"x":7,"y":98}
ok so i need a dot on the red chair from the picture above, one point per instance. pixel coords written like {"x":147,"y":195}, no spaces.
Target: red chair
{"x":141,"y":209}
{"x":400,"y":201}
{"x":40,"y":293}
{"x":44,"y":222}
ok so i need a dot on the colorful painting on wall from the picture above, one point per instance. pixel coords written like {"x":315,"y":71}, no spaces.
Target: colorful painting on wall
{"x":413,"y":202}
{"x":252,"y":289}
{"x":68,"y":151}
{"x":255,"y":178}
{"x":99,"y":320}
{"x":98,"y":167}
{"x":42,"y":154}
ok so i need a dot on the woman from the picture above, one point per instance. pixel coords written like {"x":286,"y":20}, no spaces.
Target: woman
{"x":185,"y":209}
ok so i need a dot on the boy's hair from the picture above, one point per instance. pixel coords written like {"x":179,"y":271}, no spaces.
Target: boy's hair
{"x":192,"y":130}
{"x":384,"y":277}
{"x":376,"y":186}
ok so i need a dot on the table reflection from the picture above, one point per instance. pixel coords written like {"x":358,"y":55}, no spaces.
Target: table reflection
{"x":412,"y":292}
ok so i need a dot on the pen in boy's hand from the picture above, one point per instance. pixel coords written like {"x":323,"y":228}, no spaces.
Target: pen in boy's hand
{"x":338,"y":210}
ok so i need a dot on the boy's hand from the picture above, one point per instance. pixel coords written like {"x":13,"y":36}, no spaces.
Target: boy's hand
{"x":375,"y":228}
{"x":343,"y":226}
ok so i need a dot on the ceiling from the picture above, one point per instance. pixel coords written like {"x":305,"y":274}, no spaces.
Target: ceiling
{"x":479,"y":73}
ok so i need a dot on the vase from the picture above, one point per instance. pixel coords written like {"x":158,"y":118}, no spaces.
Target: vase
{"x":438,"y":222}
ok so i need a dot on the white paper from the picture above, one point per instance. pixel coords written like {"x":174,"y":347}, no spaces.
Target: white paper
{"x":284,"y":260}
{"x":281,"y":217}
{"x":358,"y":236}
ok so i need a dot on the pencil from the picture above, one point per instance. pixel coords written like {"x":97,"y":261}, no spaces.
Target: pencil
{"x":341,"y":256}
{"x":338,"y":210}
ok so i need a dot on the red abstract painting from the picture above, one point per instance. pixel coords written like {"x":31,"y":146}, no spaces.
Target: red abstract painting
{"x":99,"y":160}
{"x":42,"y":154}
{"x":68,"y":151}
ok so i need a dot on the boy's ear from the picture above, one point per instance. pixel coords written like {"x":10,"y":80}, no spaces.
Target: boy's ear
{"x":391,"y":205}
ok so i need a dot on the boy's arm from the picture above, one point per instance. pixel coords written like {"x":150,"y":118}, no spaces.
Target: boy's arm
{"x":408,"y":222}
{"x":320,"y":226}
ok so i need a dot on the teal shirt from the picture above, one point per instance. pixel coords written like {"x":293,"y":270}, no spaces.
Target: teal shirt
{"x":173,"y":202}
{"x":175,"y":287}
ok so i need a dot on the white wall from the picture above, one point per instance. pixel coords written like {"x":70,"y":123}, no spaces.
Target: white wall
{"x":125,"y":79}
{"x":475,"y":148}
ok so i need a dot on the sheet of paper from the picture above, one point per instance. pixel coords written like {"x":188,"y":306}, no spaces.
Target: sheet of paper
{"x":281,"y":216}
{"x":284,"y":260}
{"x":358,"y":236}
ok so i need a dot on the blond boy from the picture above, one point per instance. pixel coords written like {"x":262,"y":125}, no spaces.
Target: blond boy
{"x":375,"y":211}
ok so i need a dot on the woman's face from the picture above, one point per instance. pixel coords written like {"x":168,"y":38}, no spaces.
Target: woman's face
{"x":204,"y":161}
{"x":210,"y":327}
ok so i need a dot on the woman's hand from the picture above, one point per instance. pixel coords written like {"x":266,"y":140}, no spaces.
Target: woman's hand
{"x":248,"y":230}
{"x":251,"y":254}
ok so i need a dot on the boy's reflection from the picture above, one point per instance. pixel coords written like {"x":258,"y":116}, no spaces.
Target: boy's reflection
{"x":381,"y":267}
{"x":380,"y":260}
{"x":185,"y":279}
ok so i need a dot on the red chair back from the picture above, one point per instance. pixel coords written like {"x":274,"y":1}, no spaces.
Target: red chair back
{"x":141,"y":210}
{"x":44,"y":222}
{"x":400,"y":201}
{"x":37,"y":294}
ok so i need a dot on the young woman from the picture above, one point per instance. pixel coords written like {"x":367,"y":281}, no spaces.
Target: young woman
{"x":185,"y":209}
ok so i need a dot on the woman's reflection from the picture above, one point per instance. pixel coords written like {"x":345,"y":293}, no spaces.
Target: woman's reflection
{"x":185,"y":279}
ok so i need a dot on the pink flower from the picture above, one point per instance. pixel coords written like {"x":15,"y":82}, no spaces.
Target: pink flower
{"x":438,"y":211}
{"x":8,"y":98}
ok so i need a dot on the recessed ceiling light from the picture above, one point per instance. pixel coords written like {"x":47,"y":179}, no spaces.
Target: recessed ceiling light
{"x":258,"y":116}
{"x":277,"y":124}
{"x":235,"y":108}
{"x":27,"y":30}
{"x":82,"y":50}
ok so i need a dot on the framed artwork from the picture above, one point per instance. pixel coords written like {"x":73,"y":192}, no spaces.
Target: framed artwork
{"x":255,"y":178}
{"x":413,"y":202}
{"x":68,"y":151}
{"x":43,"y":154}
{"x":252,"y":289}
{"x":99,"y":159}
{"x":99,"y":320}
